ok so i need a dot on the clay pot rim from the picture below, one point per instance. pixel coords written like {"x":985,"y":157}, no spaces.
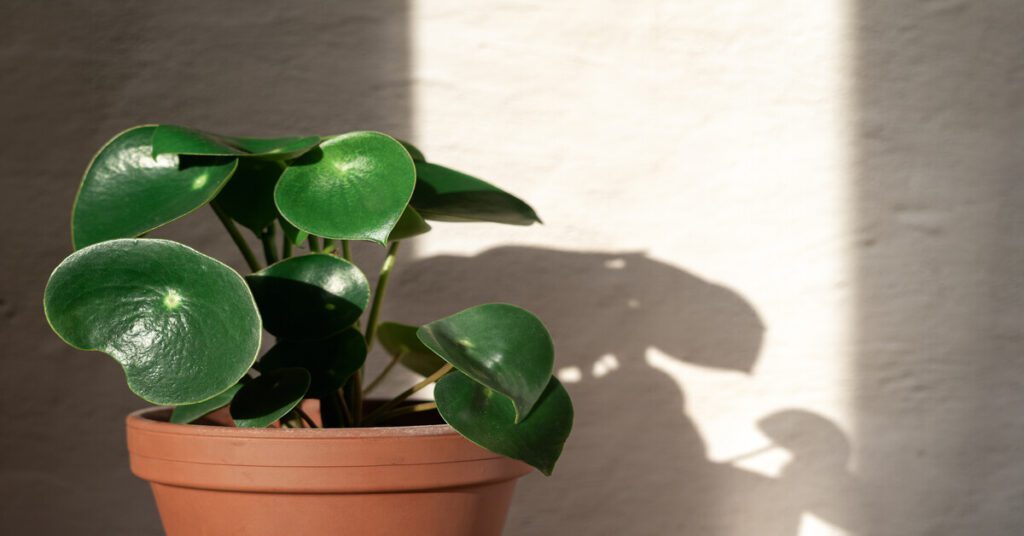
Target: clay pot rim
{"x":153,"y":419}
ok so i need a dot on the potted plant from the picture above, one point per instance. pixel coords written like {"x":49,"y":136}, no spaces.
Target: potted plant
{"x":286,"y":442}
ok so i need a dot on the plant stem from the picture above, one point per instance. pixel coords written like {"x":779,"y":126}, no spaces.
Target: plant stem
{"x":380,"y":377}
{"x":286,"y":246}
{"x":375,"y":415}
{"x":305,"y":417}
{"x":404,"y":410}
{"x":329,"y":246}
{"x":331,"y":413}
{"x":250,"y":258}
{"x":314,"y":243}
{"x":378,"y":294}
{"x":269,"y":247}
{"x":346,"y":251}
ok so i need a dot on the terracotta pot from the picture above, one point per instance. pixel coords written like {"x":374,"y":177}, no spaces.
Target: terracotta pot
{"x":410,"y":480}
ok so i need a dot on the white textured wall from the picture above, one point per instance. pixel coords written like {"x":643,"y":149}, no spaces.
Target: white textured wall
{"x":782,"y":257}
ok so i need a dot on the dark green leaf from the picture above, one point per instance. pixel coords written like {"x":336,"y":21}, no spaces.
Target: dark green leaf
{"x":409,"y":225}
{"x":310,"y":296}
{"x":190,"y":412}
{"x":331,"y":362}
{"x":444,"y":194}
{"x":182,"y":325}
{"x":353,"y":187}
{"x":248,"y":197}
{"x":127,"y":191}
{"x":400,"y":341}
{"x":501,"y":346}
{"x":488,"y":420}
{"x":173,"y":139}
{"x":268,"y":398}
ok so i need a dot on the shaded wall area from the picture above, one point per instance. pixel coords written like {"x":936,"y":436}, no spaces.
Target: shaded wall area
{"x":939,"y":265}
{"x":77,"y":73}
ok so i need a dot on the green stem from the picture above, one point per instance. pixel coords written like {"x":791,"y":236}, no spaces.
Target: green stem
{"x":314,"y":243}
{"x":380,"y":377}
{"x":286,"y":246}
{"x":346,"y":251}
{"x":269,"y":247}
{"x":306,"y":417}
{"x":375,"y":414}
{"x":250,"y":257}
{"x":404,"y":410}
{"x":329,"y":246}
{"x":378,"y":294}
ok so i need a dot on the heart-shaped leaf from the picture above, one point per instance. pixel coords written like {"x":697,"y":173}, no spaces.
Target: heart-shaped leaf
{"x":182,"y":325}
{"x":190,"y":412}
{"x":268,"y":398}
{"x":488,"y":420}
{"x":400,"y":341}
{"x":173,"y":139}
{"x":501,"y":346}
{"x":127,"y":192}
{"x":330,"y":362}
{"x":248,"y":197}
{"x":409,"y":225}
{"x":354,"y":187}
{"x":444,"y":194}
{"x":310,"y":296}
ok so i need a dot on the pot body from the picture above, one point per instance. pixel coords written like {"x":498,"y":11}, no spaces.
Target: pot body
{"x":223,"y":481}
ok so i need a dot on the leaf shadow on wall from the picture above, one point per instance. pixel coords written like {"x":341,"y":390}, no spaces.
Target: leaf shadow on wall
{"x":636,"y":463}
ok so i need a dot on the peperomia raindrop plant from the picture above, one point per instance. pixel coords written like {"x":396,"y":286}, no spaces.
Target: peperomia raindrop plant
{"x":187,"y":328}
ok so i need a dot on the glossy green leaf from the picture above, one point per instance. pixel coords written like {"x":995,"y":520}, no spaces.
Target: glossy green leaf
{"x":501,"y":346}
{"x":173,"y":139}
{"x":248,"y":197}
{"x":353,"y":187}
{"x":295,"y":236}
{"x":330,"y":362}
{"x":310,"y":296}
{"x":189,"y":412}
{"x":444,"y":194}
{"x":488,"y":419}
{"x":409,"y":225}
{"x":127,"y":192}
{"x":269,"y":397}
{"x":182,"y":325}
{"x":416,"y":154}
{"x":400,"y":341}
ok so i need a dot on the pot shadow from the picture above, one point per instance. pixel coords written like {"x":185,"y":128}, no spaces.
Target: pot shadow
{"x":636,"y":463}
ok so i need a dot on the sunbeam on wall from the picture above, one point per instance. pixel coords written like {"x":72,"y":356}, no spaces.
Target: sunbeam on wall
{"x":690,"y":161}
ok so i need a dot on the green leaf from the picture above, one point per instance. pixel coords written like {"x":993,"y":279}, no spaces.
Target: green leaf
{"x":444,"y":194}
{"x":248,"y":197}
{"x":409,"y":225}
{"x":501,"y":346}
{"x":182,"y":325}
{"x":127,"y":192}
{"x":330,"y":362}
{"x":400,"y":341}
{"x":354,"y":187}
{"x":189,"y":412}
{"x":416,"y":154}
{"x":309,"y":297}
{"x":295,"y":236}
{"x":488,"y":420}
{"x":173,"y":139}
{"x":268,"y":398}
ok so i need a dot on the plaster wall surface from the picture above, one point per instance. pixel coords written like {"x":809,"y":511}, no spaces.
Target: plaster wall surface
{"x":781,"y":259}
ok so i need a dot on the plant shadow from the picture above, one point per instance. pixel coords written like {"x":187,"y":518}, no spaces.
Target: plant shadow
{"x":636,"y":462}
